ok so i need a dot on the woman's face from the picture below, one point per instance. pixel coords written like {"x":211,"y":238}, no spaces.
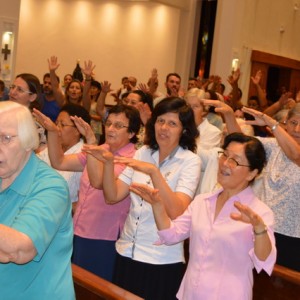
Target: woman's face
{"x":19,"y":92}
{"x":231,"y":176}
{"x":94,"y":90}
{"x":132,"y":99}
{"x":168,"y":130}
{"x":115,"y":137}
{"x":74,"y":91}
{"x":293,"y":127}
{"x":67,"y":80}
{"x":68,"y":132}
{"x":12,"y":156}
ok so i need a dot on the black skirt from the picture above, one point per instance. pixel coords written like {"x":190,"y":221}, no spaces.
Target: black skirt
{"x":288,"y":250}
{"x":149,"y":281}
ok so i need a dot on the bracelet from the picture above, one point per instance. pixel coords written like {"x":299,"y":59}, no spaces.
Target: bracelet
{"x":260,"y":232}
{"x":274,"y":126}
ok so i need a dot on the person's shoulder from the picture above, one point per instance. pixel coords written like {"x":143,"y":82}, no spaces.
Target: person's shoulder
{"x":187,"y":155}
{"x":47,"y":175}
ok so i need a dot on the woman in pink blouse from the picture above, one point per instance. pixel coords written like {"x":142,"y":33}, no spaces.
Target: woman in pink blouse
{"x":230,"y":231}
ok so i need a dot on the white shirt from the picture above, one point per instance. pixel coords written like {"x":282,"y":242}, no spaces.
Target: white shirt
{"x":181,"y":172}
{"x":72,"y":178}
{"x":210,"y":136}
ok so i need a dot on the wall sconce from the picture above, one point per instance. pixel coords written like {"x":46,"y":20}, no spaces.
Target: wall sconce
{"x":235,"y":64}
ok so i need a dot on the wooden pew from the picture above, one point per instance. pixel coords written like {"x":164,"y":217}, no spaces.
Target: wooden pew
{"x":91,"y":287}
{"x":284,"y":284}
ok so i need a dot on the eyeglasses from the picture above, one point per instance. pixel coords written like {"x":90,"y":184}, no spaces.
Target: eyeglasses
{"x":117,"y":125}
{"x":62,"y":125}
{"x":231,"y":162}
{"x":6,"y":138}
{"x":19,"y":89}
{"x":171,"y":124}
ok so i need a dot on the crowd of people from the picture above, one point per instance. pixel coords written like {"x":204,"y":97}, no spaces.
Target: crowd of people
{"x":122,"y":186}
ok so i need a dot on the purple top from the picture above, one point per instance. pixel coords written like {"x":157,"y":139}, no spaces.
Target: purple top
{"x":221,"y":250}
{"x":94,"y":219}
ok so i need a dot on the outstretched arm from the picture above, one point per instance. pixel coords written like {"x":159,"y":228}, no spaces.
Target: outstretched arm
{"x":114,"y":189}
{"x":58,"y":160}
{"x":287,"y":143}
{"x":227,"y":112}
{"x":15,"y":246}
{"x":262,"y":242}
{"x":88,"y":72}
{"x":58,"y":93}
{"x":152,"y":196}
{"x":100,"y":108}
{"x":263,"y":102}
{"x":175,"y":202}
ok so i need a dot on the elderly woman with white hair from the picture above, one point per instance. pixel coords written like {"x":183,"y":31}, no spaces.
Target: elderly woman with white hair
{"x":35,"y":233}
{"x":209,"y":135}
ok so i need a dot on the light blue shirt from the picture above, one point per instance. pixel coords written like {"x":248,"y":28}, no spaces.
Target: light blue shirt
{"x":37,"y":204}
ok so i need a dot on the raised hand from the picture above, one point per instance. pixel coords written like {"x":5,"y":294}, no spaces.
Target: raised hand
{"x":220,"y":106}
{"x":85,"y":129}
{"x":143,"y":87}
{"x":105,"y":87}
{"x":53,"y":64}
{"x":261,"y":119}
{"x":88,"y":68}
{"x":256,"y":79}
{"x":154,"y":73}
{"x":145,"y":111}
{"x":247,"y":215}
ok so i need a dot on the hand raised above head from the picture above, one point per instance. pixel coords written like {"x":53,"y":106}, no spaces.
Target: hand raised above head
{"x":105,"y":87}
{"x":256,"y":79}
{"x":88,"y":68}
{"x":53,"y":64}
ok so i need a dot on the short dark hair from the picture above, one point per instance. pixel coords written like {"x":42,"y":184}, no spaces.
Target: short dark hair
{"x":77,"y":110}
{"x":48,"y":75}
{"x":132,"y":114}
{"x":186,"y":117}
{"x":145,"y":97}
{"x":254,"y":149}
{"x":173,"y":74}
{"x":96,"y":84}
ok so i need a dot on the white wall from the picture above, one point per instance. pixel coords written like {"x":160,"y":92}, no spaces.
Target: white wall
{"x":121,"y":38}
{"x":9,"y":21}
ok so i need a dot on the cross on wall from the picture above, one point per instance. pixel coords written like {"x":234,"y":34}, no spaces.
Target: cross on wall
{"x":6,"y":51}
